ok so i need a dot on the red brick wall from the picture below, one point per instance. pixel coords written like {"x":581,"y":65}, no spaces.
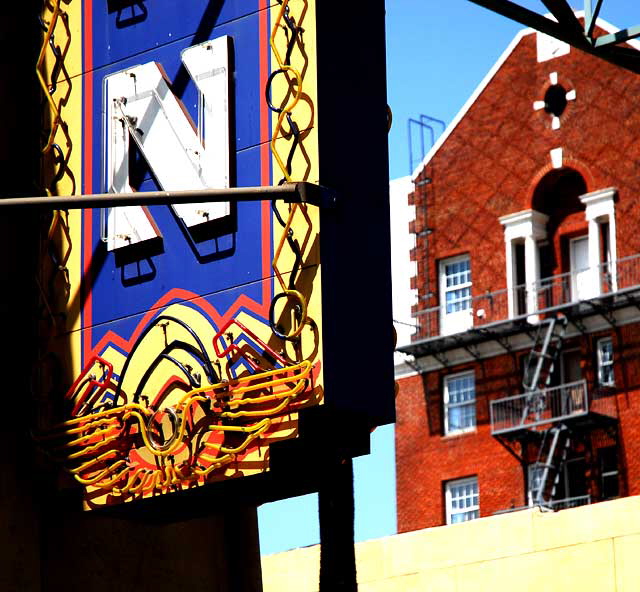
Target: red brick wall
{"x":628,"y":402}
{"x":488,"y":167}
{"x":426,"y":458}
{"x":493,"y":160}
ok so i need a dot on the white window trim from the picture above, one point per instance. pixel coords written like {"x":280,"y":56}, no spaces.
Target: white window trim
{"x":588,"y":276}
{"x":532,"y":493}
{"x":454,"y":322}
{"x":446,"y":406}
{"x":448,"y":500}
{"x":599,"y":349}
{"x":528,"y":226}
{"x":599,"y":208}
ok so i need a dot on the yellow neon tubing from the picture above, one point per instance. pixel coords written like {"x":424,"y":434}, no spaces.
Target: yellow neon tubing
{"x":57,"y":119}
{"x":220,"y":462}
{"x":53,"y":435}
{"x":178,"y":440}
{"x":274,"y":410}
{"x":43,"y":83}
{"x":276,"y":24}
{"x":101,"y":475}
{"x":81,"y":439}
{"x":109,"y":484}
{"x":250,"y":438}
{"x":268,"y":398}
{"x":290,"y":106}
{"x":262,"y":386}
{"x":278,"y":127}
{"x":93,"y":461}
{"x":278,"y":251}
{"x":141,"y":485}
{"x":129,"y":483}
{"x":233,"y":384}
{"x":58,"y":220}
{"x":93,"y":447}
{"x":245,"y":429}
{"x":276,"y":382}
{"x":106,"y":413}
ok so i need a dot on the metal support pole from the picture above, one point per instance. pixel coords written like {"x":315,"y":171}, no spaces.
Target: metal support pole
{"x":336,"y":510}
{"x":302,"y":192}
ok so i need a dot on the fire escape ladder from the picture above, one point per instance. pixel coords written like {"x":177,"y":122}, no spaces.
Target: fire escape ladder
{"x":541,"y":363}
{"x":542,"y":357}
{"x":554,"y":460}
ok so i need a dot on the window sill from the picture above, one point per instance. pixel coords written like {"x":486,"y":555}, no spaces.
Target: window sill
{"x":458,"y":433}
{"x":601,"y":391}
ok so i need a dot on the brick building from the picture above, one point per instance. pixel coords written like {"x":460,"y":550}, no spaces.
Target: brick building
{"x":524,"y":386}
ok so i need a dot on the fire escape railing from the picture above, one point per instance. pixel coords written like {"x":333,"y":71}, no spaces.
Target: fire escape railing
{"x":549,"y":405}
{"x":559,"y":504}
{"x":539,"y":407}
{"x":551,"y":292}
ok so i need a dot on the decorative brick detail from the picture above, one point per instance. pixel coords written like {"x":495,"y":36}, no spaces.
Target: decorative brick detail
{"x":488,"y":167}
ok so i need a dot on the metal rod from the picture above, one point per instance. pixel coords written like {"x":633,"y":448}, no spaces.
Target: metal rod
{"x":289,"y":192}
{"x":621,"y":36}
{"x":591,"y":13}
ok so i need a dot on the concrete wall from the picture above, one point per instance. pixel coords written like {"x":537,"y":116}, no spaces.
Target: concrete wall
{"x":588,"y":548}
{"x":402,"y":269}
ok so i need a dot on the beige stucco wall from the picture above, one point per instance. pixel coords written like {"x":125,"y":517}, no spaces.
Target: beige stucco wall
{"x":589,"y":548}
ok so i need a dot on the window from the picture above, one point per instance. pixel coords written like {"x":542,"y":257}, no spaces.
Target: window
{"x":455,"y":292}
{"x":462,"y":500}
{"x":457,"y":284}
{"x":609,"y":483}
{"x":459,"y":403}
{"x":581,"y":274}
{"x":605,"y":362}
{"x":534,"y":474}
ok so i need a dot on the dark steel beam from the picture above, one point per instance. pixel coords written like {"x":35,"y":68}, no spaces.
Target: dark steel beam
{"x":529,"y":18}
{"x":565,"y":16}
{"x":302,"y":192}
{"x":441,"y":358}
{"x":621,"y":56}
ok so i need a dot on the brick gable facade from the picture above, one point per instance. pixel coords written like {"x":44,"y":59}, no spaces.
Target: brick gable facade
{"x":496,"y":161}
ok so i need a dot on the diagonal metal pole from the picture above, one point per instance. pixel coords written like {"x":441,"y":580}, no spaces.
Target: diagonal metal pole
{"x":301,"y":192}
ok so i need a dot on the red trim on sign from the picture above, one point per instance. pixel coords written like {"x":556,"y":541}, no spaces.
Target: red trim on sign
{"x":181,"y":296}
{"x":265,"y":155}
{"x":87,"y":240}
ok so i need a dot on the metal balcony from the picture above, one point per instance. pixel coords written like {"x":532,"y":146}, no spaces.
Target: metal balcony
{"x":529,"y":410}
{"x":568,"y":502}
{"x":554,"y":505}
{"x":524,"y":302}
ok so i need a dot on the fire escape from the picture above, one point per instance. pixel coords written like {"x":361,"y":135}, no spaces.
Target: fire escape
{"x":548,"y":422}
{"x":558,"y":420}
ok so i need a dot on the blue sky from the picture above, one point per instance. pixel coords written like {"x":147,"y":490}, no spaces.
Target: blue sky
{"x":437,"y":53}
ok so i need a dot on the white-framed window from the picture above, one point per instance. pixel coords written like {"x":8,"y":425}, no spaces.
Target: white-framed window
{"x":605,"y":362}
{"x":462,"y":500}
{"x":582,"y":277}
{"x":455,"y":291}
{"x":534,"y":474}
{"x":459,"y":403}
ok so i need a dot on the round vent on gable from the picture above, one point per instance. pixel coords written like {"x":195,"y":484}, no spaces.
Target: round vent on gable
{"x":555,"y":100}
